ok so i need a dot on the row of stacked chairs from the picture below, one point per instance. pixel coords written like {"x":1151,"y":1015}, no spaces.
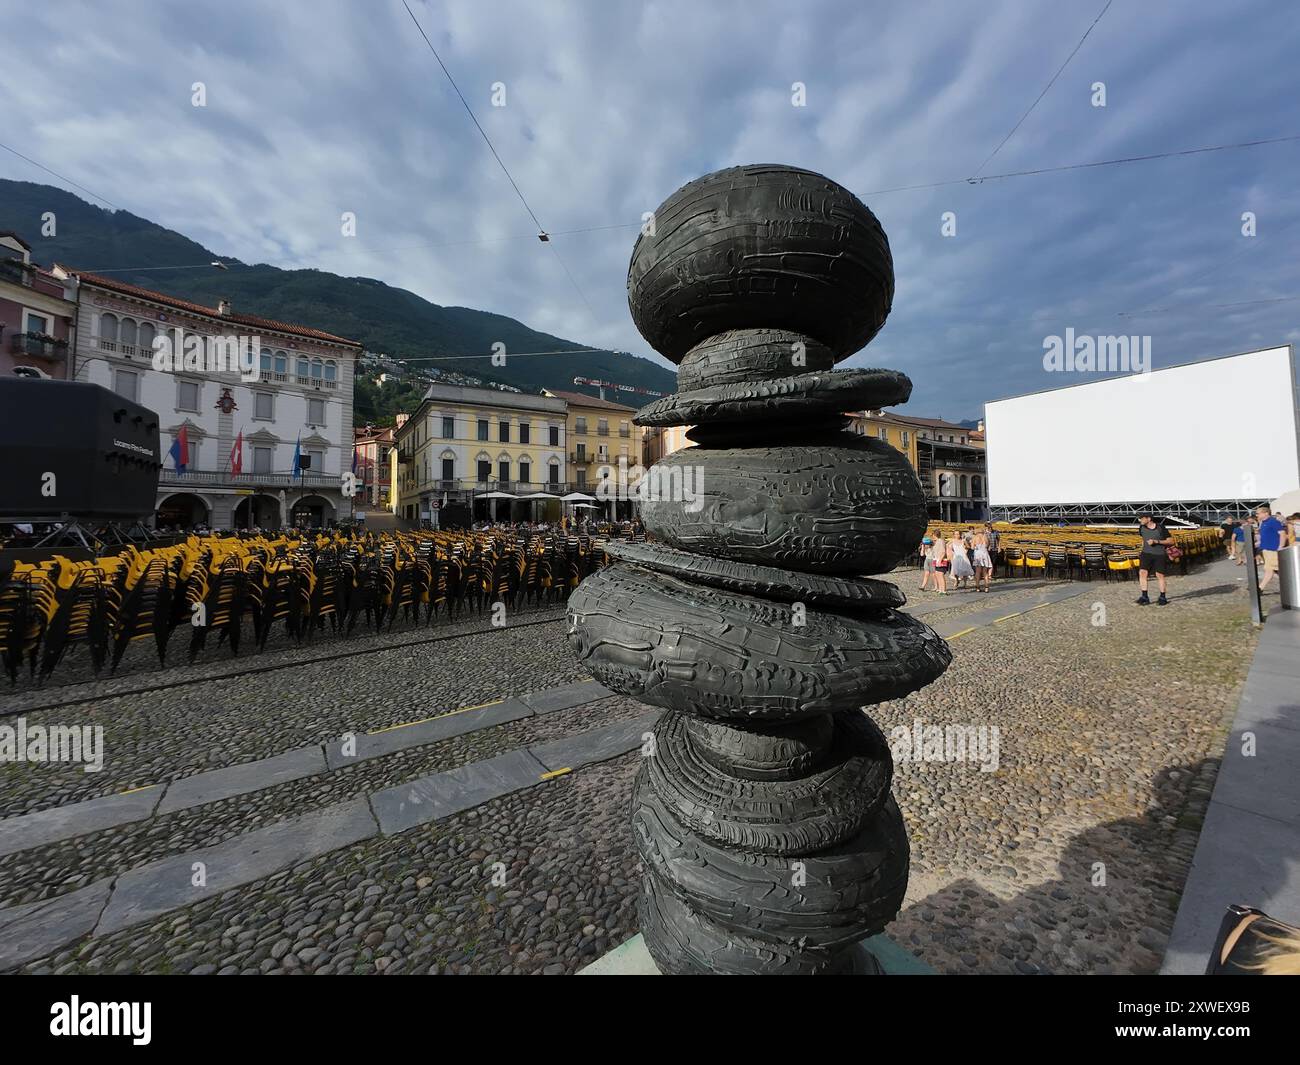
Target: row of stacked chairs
{"x":309,"y":585}
{"x":1080,"y":552}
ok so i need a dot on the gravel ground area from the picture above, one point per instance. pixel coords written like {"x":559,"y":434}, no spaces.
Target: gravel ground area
{"x":1069,"y":857}
{"x":158,"y":736}
{"x":44,"y":872}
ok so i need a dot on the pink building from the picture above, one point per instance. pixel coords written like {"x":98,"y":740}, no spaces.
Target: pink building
{"x":36,"y":315}
{"x":374,"y":468}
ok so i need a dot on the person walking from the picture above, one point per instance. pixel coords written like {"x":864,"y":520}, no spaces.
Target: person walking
{"x":939,"y":552}
{"x":1242,"y":531}
{"x":1153,"y":557}
{"x":962,"y":570}
{"x":927,"y":563}
{"x":1230,"y":537}
{"x":982,"y":560}
{"x":1272,"y":535}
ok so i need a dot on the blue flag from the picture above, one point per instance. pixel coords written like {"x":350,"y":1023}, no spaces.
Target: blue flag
{"x":297,"y":457}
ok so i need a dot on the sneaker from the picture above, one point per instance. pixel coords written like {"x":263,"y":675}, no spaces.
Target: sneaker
{"x":1162,"y":601}
{"x":1142,"y":600}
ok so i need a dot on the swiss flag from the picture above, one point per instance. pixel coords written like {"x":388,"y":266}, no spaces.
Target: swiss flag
{"x":237,"y":455}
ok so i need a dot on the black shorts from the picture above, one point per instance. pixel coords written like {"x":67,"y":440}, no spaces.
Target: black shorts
{"x":1154,"y":563}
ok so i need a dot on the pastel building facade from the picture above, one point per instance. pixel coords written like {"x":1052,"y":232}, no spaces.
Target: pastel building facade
{"x":463,"y":443}
{"x":284,"y":388}
{"x":37,"y":315}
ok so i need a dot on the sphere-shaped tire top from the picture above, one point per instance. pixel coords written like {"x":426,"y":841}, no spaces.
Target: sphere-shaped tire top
{"x":761,"y":246}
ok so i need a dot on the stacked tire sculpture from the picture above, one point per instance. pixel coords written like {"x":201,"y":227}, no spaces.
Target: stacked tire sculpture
{"x":768,"y":835}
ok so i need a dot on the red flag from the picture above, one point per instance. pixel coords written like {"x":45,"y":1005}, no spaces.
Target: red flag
{"x":237,"y":455}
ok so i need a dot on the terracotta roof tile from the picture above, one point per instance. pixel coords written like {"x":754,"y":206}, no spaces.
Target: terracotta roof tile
{"x":112,"y":285}
{"x":581,"y":399}
{"x":932,"y":423}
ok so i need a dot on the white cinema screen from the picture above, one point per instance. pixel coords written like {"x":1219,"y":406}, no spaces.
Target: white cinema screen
{"x":1223,"y":429}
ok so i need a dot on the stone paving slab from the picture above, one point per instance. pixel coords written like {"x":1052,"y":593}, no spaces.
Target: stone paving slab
{"x":37,"y":928}
{"x":43,"y":827}
{"x":952,"y":600}
{"x":999,"y":612}
{"x":1268,"y":698}
{"x":241,"y":779}
{"x":76,"y":819}
{"x":443,"y":794}
{"x":1242,"y":858}
{"x":1277,"y":661}
{"x":566,"y":697}
{"x":595,"y":745}
{"x":1249,"y":848}
{"x":418,"y":733}
{"x":1267,"y":781}
{"x":151,"y":890}
{"x":144,"y":893}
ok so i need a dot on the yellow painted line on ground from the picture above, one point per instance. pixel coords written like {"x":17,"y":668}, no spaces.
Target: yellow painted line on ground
{"x":1018,"y":613}
{"x":557,"y":773}
{"x":132,"y":791}
{"x":436,"y":717}
{"x":962,"y":633}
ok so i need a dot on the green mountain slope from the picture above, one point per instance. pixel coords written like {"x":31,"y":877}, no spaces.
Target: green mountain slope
{"x":382,"y":318}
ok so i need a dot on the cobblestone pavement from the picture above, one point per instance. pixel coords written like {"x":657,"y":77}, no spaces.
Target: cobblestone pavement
{"x":1071,"y":856}
{"x":140,"y":663}
{"x":151,"y":737}
{"x":1068,"y":858}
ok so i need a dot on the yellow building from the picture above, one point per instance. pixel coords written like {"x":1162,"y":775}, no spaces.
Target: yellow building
{"x":462,"y":444}
{"x":659,"y":441}
{"x":949,"y":460}
{"x":893,"y":429}
{"x":600,"y":433}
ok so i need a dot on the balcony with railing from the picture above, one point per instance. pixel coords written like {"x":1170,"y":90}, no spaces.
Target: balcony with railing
{"x":117,"y":347}
{"x":38,"y":345}
{"x":225,"y":479}
{"x":475,"y":487}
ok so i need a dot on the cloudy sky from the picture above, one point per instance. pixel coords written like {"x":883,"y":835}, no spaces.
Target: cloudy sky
{"x":317,"y":107}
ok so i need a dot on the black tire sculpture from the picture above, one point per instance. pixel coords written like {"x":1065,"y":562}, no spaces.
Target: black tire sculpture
{"x":764,"y":821}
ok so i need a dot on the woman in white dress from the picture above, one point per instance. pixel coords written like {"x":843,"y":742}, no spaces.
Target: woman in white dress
{"x":961,"y":567}
{"x":982,"y":560}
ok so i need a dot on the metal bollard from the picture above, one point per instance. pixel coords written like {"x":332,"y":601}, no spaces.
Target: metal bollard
{"x":1288,"y":572}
